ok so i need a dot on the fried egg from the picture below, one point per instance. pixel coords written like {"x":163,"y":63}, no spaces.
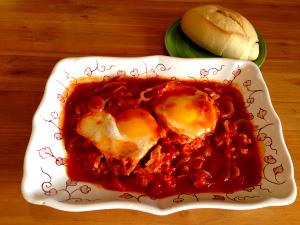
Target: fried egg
{"x":188,"y":111}
{"x":128,"y":135}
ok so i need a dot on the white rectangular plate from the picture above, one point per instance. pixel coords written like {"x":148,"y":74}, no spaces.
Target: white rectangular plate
{"x":45,"y":181}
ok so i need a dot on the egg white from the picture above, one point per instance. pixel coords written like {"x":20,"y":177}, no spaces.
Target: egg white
{"x":182,"y":113}
{"x":102,"y":129}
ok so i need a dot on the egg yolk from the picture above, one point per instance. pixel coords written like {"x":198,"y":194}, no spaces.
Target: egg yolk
{"x":135,"y":123}
{"x":191,"y":115}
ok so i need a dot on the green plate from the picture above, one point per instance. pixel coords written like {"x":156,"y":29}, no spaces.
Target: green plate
{"x":179,"y":45}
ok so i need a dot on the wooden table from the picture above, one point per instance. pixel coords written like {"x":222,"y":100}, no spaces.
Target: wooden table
{"x":34,"y":35}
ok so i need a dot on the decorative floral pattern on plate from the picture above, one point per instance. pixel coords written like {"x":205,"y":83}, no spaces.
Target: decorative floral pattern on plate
{"x":45,"y":181}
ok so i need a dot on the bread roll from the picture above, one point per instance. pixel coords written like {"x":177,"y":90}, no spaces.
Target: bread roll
{"x":221,"y":31}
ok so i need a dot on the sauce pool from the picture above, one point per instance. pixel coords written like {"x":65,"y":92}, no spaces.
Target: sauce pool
{"x":226,"y":160}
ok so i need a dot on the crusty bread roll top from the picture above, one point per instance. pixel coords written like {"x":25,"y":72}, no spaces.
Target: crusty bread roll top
{"x":221,"y":31}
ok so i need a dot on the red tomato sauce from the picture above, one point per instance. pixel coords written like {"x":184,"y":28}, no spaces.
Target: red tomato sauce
{"x":226,"y":160}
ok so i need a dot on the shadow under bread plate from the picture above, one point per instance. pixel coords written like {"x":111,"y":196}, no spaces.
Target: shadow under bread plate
{"x":179,"y":45}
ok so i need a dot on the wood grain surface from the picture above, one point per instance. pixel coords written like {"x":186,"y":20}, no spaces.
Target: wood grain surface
{"x":34,"y":35}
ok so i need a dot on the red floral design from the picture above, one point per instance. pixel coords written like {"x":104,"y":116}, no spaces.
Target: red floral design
{"x":88,"y":71}
{"x":121,"y":73}
{"x":237,"y":71}
{"x":241,"y":198}
{"x":261,"y":113}
{"x":203,"y":73}
{"x":54,"y":115}
{"x":250,"y":116}
{"x":45,"y":153}
{"x":126,"y":196}
{"x":278,"y":169}
{"x":268,"y":141}
{"x":58,"y":136}
{"x":61,"y":98}
{"x":129,"y":196}
{"x":51,"y":192}
{"x":160,"y":67}
{"x":218,"y":197}
{"x":261,"y":136}
{"x":250,"y":189}
{"x":85,"y":189}
{"x":247,"y":83}
{"x":134,"y":73}
{"x":60,"y":161}
{"x":269,"y":159}
{"x":250,"y":100}
{"x":71,"y":183}
{"x":178,"y":200}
